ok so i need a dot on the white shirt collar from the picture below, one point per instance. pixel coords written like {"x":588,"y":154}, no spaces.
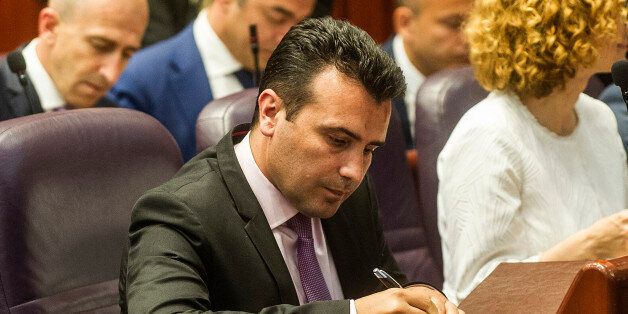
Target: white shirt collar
{"x":276,"y":207}
{"x":217,"y":59}
{"x":413,"y":77}
{"x":49,"y":96}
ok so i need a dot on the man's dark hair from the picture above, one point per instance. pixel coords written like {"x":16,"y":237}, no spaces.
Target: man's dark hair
{"x":314,"y":45}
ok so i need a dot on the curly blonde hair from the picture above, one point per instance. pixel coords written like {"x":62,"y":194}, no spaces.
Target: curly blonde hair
{"x":533,"y":46}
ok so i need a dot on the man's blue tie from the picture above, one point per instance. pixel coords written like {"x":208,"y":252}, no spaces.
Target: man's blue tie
{"x":245,"y":77}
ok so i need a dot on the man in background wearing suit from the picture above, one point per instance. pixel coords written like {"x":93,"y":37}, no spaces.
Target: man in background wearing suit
{"x":82,"y":48}
{"x":428,"y":39}
{"x":280,"y":218}
{"x":174,"y":79}
{"x":612,"y":97}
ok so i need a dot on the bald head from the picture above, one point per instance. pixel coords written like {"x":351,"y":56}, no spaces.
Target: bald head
{"x":67,"y":8}
{"x":84,"y":45}
{"x":414,"y":5}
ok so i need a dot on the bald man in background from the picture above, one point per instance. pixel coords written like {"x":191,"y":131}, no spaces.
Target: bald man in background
{"x":80,"y":52}
{"x":211,"y":58}
{"x":428,"y":39}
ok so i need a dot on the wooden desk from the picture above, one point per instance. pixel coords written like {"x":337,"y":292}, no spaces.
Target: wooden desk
{"x":554,"y":287}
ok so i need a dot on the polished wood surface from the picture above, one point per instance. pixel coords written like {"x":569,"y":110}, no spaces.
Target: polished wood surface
{"x":18,"y":22}
{"x":553,"y":287}
{"x":18,"y":19}
{"x":375,"y":17}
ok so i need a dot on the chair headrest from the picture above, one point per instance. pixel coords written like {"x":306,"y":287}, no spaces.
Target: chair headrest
{"x":219,"y":116}
{"x":68,"y":182}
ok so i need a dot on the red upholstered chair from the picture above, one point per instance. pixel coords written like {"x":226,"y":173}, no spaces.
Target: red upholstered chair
{"x":68,"y":182}
{"x":396,"y":192}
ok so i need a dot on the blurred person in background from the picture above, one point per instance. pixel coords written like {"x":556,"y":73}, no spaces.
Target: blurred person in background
{"x":428,"y":38}
{"x":612,"y":97}
{"x":211,"y":58}
{"x":81,"y":50}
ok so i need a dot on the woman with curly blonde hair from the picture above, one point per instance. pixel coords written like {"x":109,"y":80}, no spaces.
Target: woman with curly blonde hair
{"x":536,"y":171}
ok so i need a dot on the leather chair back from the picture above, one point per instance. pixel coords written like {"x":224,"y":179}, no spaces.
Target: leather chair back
{"x":68,"y":182}
{"x":389,"y":171}
{"x":441,"y":101}
{"x":399,"y":208}
{"x":221,"y":115}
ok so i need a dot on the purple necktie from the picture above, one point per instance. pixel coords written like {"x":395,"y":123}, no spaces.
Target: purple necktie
{"x":310,"y":273}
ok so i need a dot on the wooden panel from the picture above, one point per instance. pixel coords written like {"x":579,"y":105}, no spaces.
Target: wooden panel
{"x":18,"y":19}
{"x":18,"y":22}
{"x":375,"y":17}
{"x":553,"y":287}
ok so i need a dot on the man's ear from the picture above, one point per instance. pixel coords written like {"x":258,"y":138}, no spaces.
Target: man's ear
{"x":270,"y":105}
{"x":402,"y":17}
{"x":47,"y":24}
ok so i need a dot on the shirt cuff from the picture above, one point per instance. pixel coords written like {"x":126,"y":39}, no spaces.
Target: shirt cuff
{"x":352,"y":309}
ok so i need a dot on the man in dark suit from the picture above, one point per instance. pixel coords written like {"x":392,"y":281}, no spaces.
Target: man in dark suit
{"x":82,"y":48}
{"x":279,"y":218}
{"x":211,"y":58}
{"x":428,"y":39}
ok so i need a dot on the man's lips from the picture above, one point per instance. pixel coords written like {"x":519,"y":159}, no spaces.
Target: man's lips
{"x":95,"y":86}
{"x":336,"y":192}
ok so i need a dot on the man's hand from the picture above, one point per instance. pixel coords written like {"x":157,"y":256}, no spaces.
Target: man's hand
{"x":413,"y":299}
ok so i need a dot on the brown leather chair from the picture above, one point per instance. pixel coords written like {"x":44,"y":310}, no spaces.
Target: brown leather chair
{"x":396,"y":192}
{"x":68,"y":182}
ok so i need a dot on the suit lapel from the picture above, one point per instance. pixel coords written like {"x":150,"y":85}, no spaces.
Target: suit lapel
{"x":16,"y":94}
{"x":257,"y":227}
{"x":189,"y":80}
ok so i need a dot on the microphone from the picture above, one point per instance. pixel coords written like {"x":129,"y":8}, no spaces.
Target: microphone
{"x":619,"y":71}
{"x":17,"y":65}
{"x":255,"y":50}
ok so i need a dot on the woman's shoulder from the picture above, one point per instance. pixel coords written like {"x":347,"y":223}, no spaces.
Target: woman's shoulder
{"x":596,"y":114}
{"x":496,"y":115}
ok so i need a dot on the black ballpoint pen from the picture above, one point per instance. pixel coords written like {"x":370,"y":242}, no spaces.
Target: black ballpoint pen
{"x":387,"y":280}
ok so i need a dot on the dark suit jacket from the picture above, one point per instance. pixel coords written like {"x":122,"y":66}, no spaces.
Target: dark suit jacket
{"x":201,"y":241}
{"x":168,"y":81}
{"x":612,"y":96}
{"x":399,"y":103}
{"x":13,"y":97}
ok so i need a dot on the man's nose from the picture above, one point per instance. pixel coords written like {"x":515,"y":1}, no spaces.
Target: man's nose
{"x":354,"y":167}
{"x":112,"y":67}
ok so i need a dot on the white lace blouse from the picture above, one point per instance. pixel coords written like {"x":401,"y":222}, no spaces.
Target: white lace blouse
{"x":511,"y":189}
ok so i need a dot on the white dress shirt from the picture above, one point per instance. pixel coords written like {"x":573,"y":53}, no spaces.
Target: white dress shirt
{"x":278,"y":211}
{"x":413,"y":77}
{"x":511,"y":189}
{"x":219,"y":64}
{"x":49,"y":96}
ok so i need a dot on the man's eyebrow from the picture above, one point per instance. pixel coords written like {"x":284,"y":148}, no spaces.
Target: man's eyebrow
{"x":354,"y":135}
{"x":282,"y":11}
